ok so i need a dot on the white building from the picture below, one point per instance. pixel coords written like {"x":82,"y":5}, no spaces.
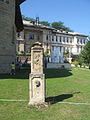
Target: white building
{"x":54,"y":41}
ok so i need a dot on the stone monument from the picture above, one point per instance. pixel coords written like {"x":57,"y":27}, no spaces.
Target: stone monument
{"x":37,"y":78}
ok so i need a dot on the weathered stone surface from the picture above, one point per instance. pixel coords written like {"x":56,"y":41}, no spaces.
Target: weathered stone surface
{"x":37,"y":78}
{"x":37,"y":89}
{"x":7,"y":35}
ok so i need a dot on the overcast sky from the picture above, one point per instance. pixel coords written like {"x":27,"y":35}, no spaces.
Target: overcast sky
{"x":74,"y":13}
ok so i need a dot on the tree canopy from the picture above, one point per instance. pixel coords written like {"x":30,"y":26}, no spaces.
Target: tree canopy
{"x":57,"y":25}
{"x":60,"y":26}
{"x":27,"y":18}
{"x":85,"y":54}
{"x":46,"y":23}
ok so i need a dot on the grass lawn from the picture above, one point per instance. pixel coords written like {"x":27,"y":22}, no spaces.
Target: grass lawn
{"x":61,"y":86}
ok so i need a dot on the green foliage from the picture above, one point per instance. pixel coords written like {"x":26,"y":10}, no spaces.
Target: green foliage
{"x":80,"y":60}
{"x":85,"y":53}
{"x":27,"y":18}
{"x":23,"y":53}
{"x":44,"y":23}
{"x":17,"y":53}
{"x":60,"y":26}
{"x":75,"y":62}
{"x":47,"y":53}
{"x":57,"y":25}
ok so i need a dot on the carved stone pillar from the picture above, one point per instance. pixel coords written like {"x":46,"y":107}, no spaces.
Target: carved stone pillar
{"x":36,"y":78}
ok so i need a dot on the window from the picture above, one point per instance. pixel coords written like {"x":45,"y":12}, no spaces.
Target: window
{"x":46,"y":37}
{"x":67,"y":40}
{"x":53,"y":48}
{"x":60,"y":48}
{"x":81,"y":48}
{"x":52,"y":38}
{"x":70,"y":40}
{"x":60,"y":39}
{"x":63,"y":39}
{"x":56,"y":38}
{"x":84,"y":41}
{"x":78,"y":40}
{"x":24,"y":36}
{"x":31,"y":36}
{"x":18,"y":34}
{"x":81,"y":41}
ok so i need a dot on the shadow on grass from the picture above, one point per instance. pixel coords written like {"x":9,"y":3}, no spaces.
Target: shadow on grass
{"x":56,"y":73}
{"x":20,"y":74}
{"x":59,"y":98}
{"x":49,"y":73}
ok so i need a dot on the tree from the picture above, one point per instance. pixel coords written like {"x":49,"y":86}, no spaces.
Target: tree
{"x":60,"y":26}
{"x":44,"y":23}
{"x":27,"y":18}
{"x":80,"y":60}
{"x":57,"y":25}
{"x":85,"y":54}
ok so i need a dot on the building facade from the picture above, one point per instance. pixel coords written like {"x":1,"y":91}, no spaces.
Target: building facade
{"x":7,"y":35}
{"x":8,"y":8}
{"x":55,"y":42}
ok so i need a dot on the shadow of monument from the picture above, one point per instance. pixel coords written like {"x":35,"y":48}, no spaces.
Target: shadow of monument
{"x":56,"y":73}
{"x":59,"y":98}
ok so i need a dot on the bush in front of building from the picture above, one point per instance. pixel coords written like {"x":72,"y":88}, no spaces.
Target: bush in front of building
{"x":75,"y":62}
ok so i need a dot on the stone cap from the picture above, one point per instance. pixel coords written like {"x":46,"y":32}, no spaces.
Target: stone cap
{"x":37,"y":44}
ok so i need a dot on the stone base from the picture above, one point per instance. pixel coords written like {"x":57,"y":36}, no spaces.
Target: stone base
{"x":44,"y":104}
{"x":37,"y":89}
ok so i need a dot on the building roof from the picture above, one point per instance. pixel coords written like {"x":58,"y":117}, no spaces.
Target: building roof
{"x":35,"y":25}
{"x":69,"y":33}
{"x":18,"y":16}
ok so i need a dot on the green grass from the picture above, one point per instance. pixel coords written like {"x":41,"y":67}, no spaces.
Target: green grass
{"x":61,"y":86}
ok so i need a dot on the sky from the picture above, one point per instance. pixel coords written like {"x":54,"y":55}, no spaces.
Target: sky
{"x":74,"y":13}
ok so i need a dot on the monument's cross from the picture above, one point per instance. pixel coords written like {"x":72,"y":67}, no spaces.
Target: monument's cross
{"x":37,"y":78}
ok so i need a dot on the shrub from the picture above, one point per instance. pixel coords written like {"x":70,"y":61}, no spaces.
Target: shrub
{"x":75,"y":63}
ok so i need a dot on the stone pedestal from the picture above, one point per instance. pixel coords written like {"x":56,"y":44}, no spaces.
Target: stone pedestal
{"x":36,"y":78}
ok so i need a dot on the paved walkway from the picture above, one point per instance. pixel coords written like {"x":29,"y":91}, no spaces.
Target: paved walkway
{"x":71,"y":103}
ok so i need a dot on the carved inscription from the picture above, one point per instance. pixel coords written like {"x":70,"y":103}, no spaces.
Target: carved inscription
{"x":37,"y":62}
